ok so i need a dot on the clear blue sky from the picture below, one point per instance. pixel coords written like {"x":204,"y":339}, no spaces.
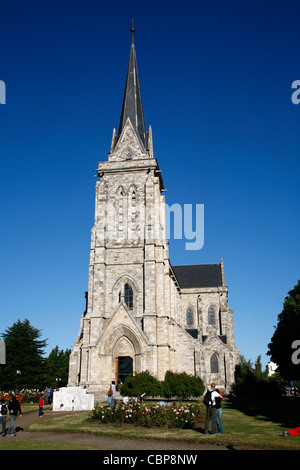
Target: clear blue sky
{"x":216,"y":86}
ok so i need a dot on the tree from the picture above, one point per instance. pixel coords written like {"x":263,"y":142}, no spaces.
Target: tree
{"x":24,"y":366}
{"x":253,"y":382}
{"x":286,"y":334}
{"x":57,"y":367}
{"x":257,"y":369}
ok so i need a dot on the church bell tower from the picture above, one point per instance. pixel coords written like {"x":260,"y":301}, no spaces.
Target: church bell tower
{"x":125,"y":315}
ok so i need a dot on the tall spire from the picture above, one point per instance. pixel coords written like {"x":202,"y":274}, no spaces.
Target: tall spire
{"x":132,"y":106}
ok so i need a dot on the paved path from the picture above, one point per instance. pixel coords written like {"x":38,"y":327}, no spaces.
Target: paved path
{"x":97,"y":441}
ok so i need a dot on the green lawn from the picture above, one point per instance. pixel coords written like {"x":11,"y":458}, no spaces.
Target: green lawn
{"x":246,"y":426}
{"x":42,"y":445}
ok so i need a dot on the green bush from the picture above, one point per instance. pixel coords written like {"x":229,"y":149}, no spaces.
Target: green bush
{"x":182,"y":386}
{"x":141,"y":383}
{"x":249,"y":386}
{"x":179,"y":385}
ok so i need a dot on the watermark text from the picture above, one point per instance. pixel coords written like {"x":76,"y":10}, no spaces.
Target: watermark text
{"x":2,"y":92}
{"x":296,"y":94}
{"x":296,"y":354}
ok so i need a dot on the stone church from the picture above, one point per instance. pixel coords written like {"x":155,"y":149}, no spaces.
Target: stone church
{"x":143,"y":313}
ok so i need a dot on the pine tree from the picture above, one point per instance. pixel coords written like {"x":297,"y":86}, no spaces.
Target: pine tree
{"x":57,"y":367}
{"x":24,"y":366}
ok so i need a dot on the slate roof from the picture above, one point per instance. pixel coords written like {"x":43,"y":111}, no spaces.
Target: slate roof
{"x":198,"y":275}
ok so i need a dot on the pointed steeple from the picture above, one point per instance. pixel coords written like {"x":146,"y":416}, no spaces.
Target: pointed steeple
{"x":132,"y":106}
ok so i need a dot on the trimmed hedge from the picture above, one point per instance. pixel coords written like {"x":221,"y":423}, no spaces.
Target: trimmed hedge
{"x":179,"y":385}
{"x":182,"y":386}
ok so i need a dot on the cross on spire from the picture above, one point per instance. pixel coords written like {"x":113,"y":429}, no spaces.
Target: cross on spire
{"x":132,"y":29}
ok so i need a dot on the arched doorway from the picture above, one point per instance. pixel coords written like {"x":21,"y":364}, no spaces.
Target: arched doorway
{"x":122,"y":342}
{"x":123,"y":368}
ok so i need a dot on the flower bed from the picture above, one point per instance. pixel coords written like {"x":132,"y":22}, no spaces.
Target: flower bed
{"x":23,"y":396}
{"x":140,"y":414}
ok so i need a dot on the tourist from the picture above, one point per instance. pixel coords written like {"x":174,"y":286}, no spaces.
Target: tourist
{"x":126,"y":400}
{"x":110,"y":398}
{"x":14,"y":408}
{"x":51,"y":398}
{"x":219,"y":411}
{"x":41,"y":404}
{"x":119,"y":385}
{"x":211,"y":412}
{"x":113,"y":386}
{"x":3,"y":414}
{"x":46,"y":395}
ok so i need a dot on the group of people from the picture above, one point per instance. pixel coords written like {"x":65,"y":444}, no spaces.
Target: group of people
{"x":12,"y":409}
{"x":111,"y":395}
{"x":213,"y":410}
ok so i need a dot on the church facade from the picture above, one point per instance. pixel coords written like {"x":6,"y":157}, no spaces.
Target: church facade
{"x":142,"y":313}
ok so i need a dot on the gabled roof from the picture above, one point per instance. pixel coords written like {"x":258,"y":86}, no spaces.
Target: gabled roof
{"x":132,"y":106}
{"x":198,"y":275}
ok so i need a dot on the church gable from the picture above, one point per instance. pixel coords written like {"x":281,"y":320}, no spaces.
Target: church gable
{"x":213,"y":342}
{"x":122,"y":323}
{"x":128,"y":146}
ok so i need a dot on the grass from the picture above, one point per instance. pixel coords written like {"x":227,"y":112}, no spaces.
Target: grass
{"x":43,"y":445}
{"x":246,"y":426}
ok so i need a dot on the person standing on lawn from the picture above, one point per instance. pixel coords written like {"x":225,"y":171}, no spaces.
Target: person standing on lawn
{"x":46,"y":395}
{"x":3,"y":414}
{"x":211,"y":411}
{"x":14,"y":408}
{"x":219,"y":411}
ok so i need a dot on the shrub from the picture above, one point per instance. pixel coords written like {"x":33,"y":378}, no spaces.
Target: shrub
{"x":249,"y":386}
{"x":184,"y":416}
{"x":139,"y":384}
{"x":179,"y":385}
{"x":182,"y":385}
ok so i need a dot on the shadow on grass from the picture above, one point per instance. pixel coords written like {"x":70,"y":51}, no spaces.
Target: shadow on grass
{"x":284,"y":410}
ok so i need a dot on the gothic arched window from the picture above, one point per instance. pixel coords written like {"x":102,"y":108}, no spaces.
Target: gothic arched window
{"x":128,"y":296}
{"x":211,"y":316}
{"x":190,"y":316}
{"x":214,"y":364}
